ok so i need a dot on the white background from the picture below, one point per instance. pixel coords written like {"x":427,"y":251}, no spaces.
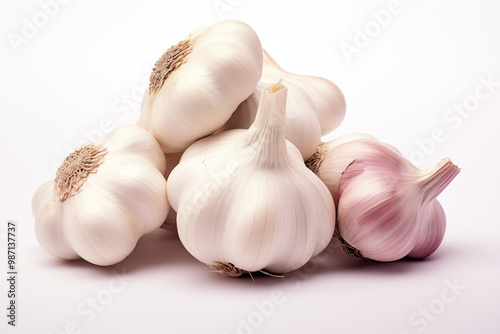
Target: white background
{"x":82,"y":72}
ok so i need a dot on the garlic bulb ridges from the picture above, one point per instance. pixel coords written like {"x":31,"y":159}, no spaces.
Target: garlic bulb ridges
{"x":197,"y":84}
{"x":245,"y":200}
{"x":105,"y":196}
{"x":431,"y":231}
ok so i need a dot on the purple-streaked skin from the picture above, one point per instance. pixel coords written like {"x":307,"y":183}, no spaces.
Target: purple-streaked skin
{"x":387,"y":207}
{"x":431,"y":233}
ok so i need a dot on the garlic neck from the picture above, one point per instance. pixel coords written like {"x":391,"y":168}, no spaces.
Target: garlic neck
{"x":174,"y":57}
{"x":267,"y":133}
{"x":76,"y":168}
{"x":435,"y":179}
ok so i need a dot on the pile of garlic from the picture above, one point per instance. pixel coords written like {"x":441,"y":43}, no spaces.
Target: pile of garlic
{"x":227,"y":151}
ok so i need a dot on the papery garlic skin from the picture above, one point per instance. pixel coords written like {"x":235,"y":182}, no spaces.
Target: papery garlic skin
{"x":328,"y":99}
{"x":122,"y":197}
{"x":246,"y":202}
{"x":332,"y":158}
{"x":431,"y":231}
{"x":198,"y":83}
{"x":386,"y":207}
{"x":302,"y":127}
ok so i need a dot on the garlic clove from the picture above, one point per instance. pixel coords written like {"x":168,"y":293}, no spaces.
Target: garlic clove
{"x":48,"y":215}
{"x":328,"y":99}
{"x":131,"y":141}
{"x":101,"y":233}
{"x":198,"y":83}
{"x":431,"y":231}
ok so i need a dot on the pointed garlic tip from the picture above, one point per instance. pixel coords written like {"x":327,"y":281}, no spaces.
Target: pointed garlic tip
{"x":76,"y":168}
{"x":227,"y":269}
{"x":435,"y":179}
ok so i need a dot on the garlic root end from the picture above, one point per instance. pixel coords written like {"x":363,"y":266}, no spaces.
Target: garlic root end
{"x":352,"y":251}
{"x":227,"y":269}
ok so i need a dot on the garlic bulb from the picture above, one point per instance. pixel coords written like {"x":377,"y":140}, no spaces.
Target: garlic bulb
{"x":387,"y":208}
{"x":245,"y":200}
{"x":105,"y":196}
{"x":197,"y":84}
{"x":328,"y":99}
{"x":302,"y":126}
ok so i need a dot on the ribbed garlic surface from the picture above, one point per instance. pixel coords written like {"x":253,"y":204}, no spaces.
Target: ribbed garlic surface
{"x":245,"y":200}
{"x":331,"y":159}
{"x":197,"y":84}
{"x":105,"y":196}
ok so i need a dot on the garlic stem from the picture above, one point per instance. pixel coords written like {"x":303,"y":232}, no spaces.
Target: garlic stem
{"x":435,"y":179}
{"x":267,"y":133}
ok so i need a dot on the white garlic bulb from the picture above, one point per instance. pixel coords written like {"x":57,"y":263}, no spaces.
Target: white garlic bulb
{"x":245,"y":200}
{"x":302,"y":126}
{"x":197,"y":84}
{"x":328,"y":99}
{"x":105,"y":196}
